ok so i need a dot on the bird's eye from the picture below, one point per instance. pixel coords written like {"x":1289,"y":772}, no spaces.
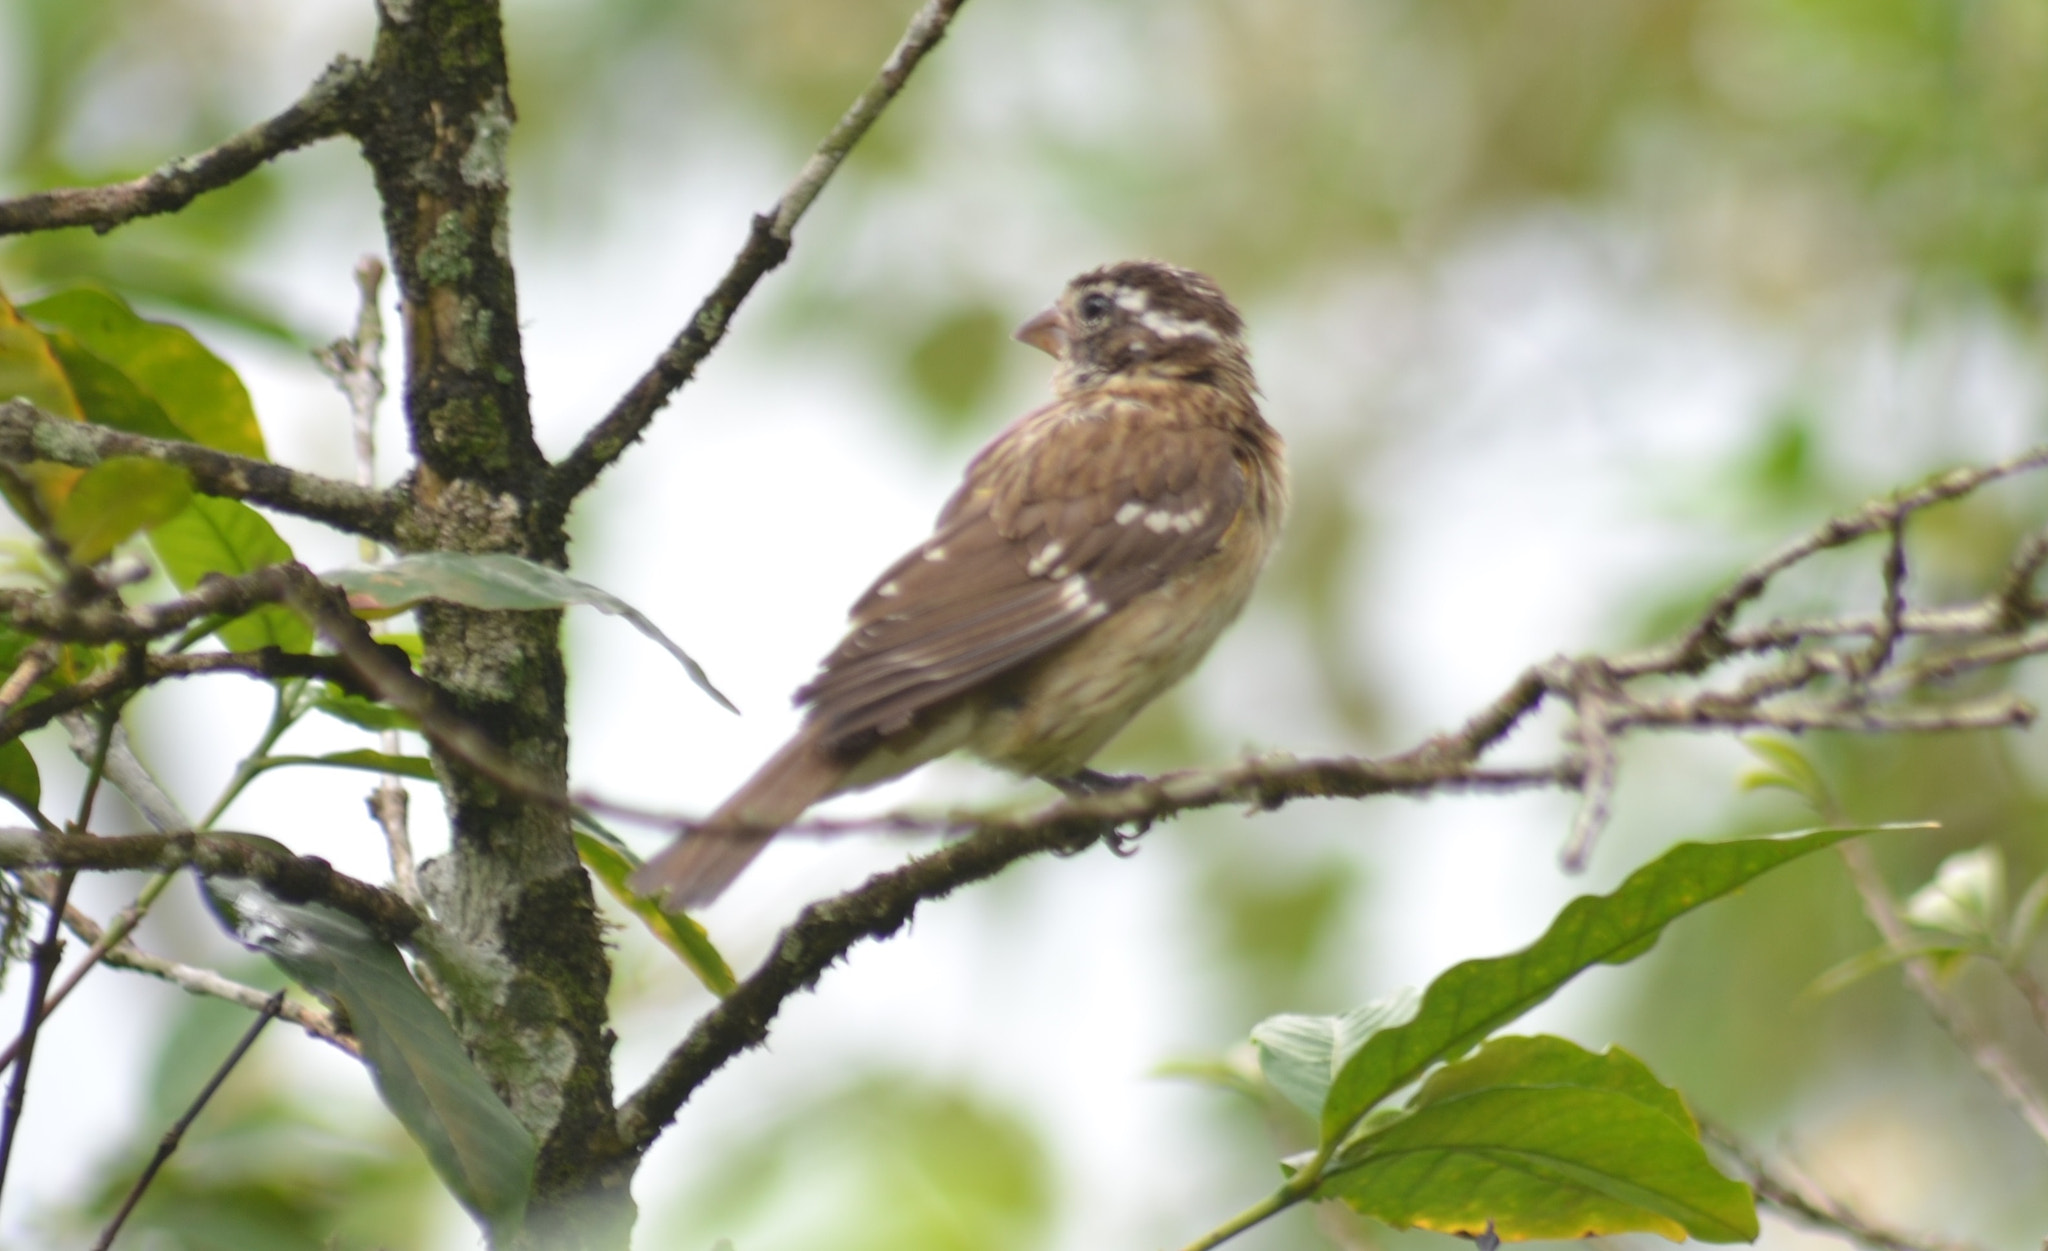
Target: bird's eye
{"x":1094,"y":307}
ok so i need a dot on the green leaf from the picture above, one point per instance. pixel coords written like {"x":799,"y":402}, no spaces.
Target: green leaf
{"x":1301,"y":1055}
{"x":197,"y":390}
{"x":2026,"y":917}
{"x":1787,"y":768}
{"x":361,"y":758}
{"x":611,"y":864}
{"x":18,"y":774}
{"x":229,"y":537}
{"x":422,"y":1072}
{"x":1471,"y":1000}
{"x":363,"y":713}
{"x":116,"y":498}
{"x":1878,"y":959}
{"x":29,"y":370}
{"x":494,"y":580}
{"x":106,"y":396}
{"x":29,"y":367}
{"x":1545,"y":1140}
{"x":1966,"y":897}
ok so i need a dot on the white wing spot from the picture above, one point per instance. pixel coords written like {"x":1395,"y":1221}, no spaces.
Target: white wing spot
{"x":1045,"y":559}
{"x":1159,"y":521}
{"x":889,"y":589}
{"x":1129,"y":513}
{"x":1076,"y":598}
{"x":935,"y":554}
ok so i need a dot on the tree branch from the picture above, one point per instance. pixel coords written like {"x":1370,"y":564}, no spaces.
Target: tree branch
{"x":1821,"y":673}
{"x":29,"y":434}
{"x":294,"y":879}
{"x":768,"y":243}
{"x":825,"y":931}
{"x":1784,"y":1191}
{"x":324,"y":111}
{"x":149,"y":668}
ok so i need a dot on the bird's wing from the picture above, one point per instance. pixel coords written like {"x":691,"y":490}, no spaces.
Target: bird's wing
{"x":1067,"y":517}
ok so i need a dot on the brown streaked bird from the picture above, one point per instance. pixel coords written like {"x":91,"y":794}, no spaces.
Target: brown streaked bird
{"x":1094,"y":552}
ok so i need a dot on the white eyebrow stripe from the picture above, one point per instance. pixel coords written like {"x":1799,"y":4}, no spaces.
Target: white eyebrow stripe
{"x":1167,"y":326}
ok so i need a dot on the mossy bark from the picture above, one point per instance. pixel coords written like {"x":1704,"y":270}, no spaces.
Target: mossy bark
{"x":530,"y":1000}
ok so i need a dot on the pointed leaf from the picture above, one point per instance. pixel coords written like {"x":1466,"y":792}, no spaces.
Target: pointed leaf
{"x":1545,"y":1140}
{"x":361,"y":759}
{"x":611,"y":864}
{"x":494,"y":580}
{"x":19,"y":777}
{"x":363,"y":713}
{"x":1301,"y":1055}
{"x":2026,"y":917}
{"x":1788,"y":768}
{"x":106,"y":396}
{"x":1471,"y":1000}
{"x":422,"y":1072}
{"x":229,"y":537}
{"x":197,"y":390}
{"x":29,"y":370}
{"x":116,"y":498}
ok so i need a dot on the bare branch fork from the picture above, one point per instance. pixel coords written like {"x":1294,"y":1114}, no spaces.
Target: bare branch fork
{"x":767,"y":246}
{"x":323,"y":112}
{"x":1844,"y":674}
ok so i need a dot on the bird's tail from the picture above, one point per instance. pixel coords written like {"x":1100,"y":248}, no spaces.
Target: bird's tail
{"x":696,"y":868}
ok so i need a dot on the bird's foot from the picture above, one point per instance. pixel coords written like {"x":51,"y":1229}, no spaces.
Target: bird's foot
{"x":1086,"y":782}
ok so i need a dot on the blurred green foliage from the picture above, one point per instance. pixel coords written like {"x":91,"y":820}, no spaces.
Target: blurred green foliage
{"x":1788,"y":154}
{"x":888,"y":1162}
{"x":264,"y":1167}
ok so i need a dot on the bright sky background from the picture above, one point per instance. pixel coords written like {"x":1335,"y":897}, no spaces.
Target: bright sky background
{"x":1551,"y":389}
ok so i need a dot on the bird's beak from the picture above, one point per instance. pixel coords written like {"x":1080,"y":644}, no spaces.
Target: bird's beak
{"x":1047,"y":332}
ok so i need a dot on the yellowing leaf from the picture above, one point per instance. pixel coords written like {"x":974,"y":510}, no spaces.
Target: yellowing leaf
{"x":197,"y":390}
{"x":116,"y":498}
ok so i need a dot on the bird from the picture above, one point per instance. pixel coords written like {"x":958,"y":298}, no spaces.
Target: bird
{"x":1091,"y":555}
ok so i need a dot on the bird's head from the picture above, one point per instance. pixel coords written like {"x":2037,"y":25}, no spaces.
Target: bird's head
{"x":1144,"y":319}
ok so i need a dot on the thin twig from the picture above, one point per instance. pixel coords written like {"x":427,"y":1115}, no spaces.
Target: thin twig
{"x":1703,"y":643}
{"x":176,"y":1133}
{"x":268,"y":665}
{"x":2000,"y":1069}
{"x":35,"y":662}
{"x":316,"y":1021}
{"x":356,"y":365}
{"x":126,"y":772}
{"x":323,"y":112}
{"x":49,"y":951}
{"x":29,"y":434}
{"x":1784,"y":1191}
{"x":767,"y":245}
{"x":116,"y":931}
